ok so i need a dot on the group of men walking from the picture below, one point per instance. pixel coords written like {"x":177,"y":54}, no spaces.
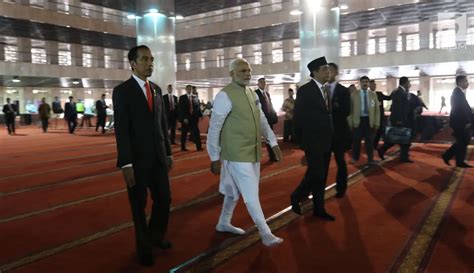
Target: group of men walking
{"x":324,"y":114}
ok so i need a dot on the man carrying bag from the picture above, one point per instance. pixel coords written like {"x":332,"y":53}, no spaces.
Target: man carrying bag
{"x":401,"y":119}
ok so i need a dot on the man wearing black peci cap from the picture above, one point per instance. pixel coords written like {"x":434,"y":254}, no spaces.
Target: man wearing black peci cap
{"x":314,"y":130}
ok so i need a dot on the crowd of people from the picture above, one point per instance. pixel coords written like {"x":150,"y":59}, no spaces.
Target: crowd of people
{"x":325,"y":118}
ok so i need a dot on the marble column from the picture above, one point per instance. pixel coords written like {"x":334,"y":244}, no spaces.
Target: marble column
{"x":288,"y":46}
{"x":362,"y":41}
{"x":392,"y":36}
{"x":157,"y":31}
{"x":52,"y":52}
{"x":319,"y":32}
{"x":76,"y":55}
{"x":24,"y":50}
{"x":424,"y":30}
{"x":267,"y":53}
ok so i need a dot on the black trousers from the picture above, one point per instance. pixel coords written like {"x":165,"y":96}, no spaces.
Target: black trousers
{"x":71,"y":124}
{"x":459,"y":148}
{"x":10,"y":122}
{"x":156,"y":180}
{"x":314,"y":179}
{"x":101,"y":122}
{"x":339,"y":146}
{"x":288,"y":133}
{"x":172,"y":128}
{"x":363,"y":131}
{"x":193,"y":128}
{"x":380,"y":132}
{"x":44,"y":124}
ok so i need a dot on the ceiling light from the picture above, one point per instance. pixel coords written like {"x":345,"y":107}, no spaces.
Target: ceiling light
{"x":75,"y":82}
{"x":16,"y":79}
{"x":153,"y":11}
{"x":179,"y":17}
{"x":370,"y":9}
{"x":295,"y":12}
{"x":334,"y":8}
{"x":131,"y":16}
{"x":343,"y":7}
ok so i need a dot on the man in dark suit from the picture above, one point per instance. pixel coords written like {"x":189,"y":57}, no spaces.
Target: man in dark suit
{"x":10,"y":111}
{"x":144,"y":152}
{"x":101,"y":110}
{"x":70,"y":114}
{"x":460,"y":121}
{"x":314,"y":131}
{"x":381,"y":97}
{"x":189,"y":115}
{"x":341,"y":108}
{"x":268,"y":110}
{"x":171,"y":107}
{"x":400,"y":116}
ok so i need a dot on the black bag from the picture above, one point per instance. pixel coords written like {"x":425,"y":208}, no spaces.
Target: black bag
{"x":397,"y":135}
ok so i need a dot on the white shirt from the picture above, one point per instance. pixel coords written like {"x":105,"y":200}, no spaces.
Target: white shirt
{"x":142,"y":84}
{"x":222,"y":107}
{"x":333,"y":86}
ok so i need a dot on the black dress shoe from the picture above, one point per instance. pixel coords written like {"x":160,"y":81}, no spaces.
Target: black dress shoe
{"x":324,"y":215}
{"x":339,"y":195}
{"x":445,"y":160}
{"x":406,"y":160}
{"x":295,"y":205}
{"x":146,"y":260}
{"x":164,"y":245}
{"x":464,"y":165}
{"x":200,"y":149}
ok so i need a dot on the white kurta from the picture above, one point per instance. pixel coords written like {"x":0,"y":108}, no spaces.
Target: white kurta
{"x":236,"y":177}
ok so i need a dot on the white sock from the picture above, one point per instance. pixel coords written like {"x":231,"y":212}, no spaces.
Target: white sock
{"x":224,"y":224}
{"x":255,"y":211}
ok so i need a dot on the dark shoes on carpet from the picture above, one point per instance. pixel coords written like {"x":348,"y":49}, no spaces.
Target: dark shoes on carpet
{"x":324,"y":215}
{"x":464,"y":165}
{"x":295,"y":205}
{"x":445,"y":159}
{"x":164,"y":245}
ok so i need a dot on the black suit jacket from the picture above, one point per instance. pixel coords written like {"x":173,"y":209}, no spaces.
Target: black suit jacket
{"x":268,"y":110}
{"x":312,"y":119}
{"x":184,"y":112}
{"x":7,"y":112}
{"x":166,"y":101}
{"x":100,"y":108}
{"x":461,"y":111}
{"x":381,"y":97}
{"x":142,"y":135}
{"x":70,"y":112}
{"x":399,"y":111}
{"x":341,"y":109}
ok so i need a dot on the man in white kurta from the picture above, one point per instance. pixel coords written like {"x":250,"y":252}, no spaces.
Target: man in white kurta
{"x":234,"y":138}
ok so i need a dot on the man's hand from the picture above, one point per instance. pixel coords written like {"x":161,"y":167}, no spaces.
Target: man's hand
{"x":169,"y":162}
{"x":216,"y":167}
{"x":277,"y":152}
{"x":468,"y":126}
{"x":129,"y":177}
{"x":185,"y":121}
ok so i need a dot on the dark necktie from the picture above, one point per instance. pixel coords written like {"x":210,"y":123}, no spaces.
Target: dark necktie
{"x":366,"y":105}
{"x":171,"y":103}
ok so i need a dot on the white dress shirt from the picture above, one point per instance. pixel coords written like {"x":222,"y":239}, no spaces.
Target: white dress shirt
{"x":142,"y":84}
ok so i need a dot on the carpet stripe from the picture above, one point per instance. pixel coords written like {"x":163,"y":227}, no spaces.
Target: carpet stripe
{"x":423,"y":239}
{"x":48,"y":252}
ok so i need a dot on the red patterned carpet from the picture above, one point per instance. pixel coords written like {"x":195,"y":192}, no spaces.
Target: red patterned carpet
{"x":64,"y":208}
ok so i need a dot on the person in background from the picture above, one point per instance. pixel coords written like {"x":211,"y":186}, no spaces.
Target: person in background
{"x":267,"y":108}
{"x":172,"y":112}
{"x":460,"y":121}
{"x":44,"y":111}
{"x":101,"y":111}
{"x":70,"y":114}
{"x":364,"y":120}
{"x":57,"y":111}
{"x":10,"y":111}
{"x":381,"y":97}
{"x":287,"y":107}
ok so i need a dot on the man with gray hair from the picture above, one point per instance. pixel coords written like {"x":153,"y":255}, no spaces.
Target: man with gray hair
{"x":234,"y":136}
